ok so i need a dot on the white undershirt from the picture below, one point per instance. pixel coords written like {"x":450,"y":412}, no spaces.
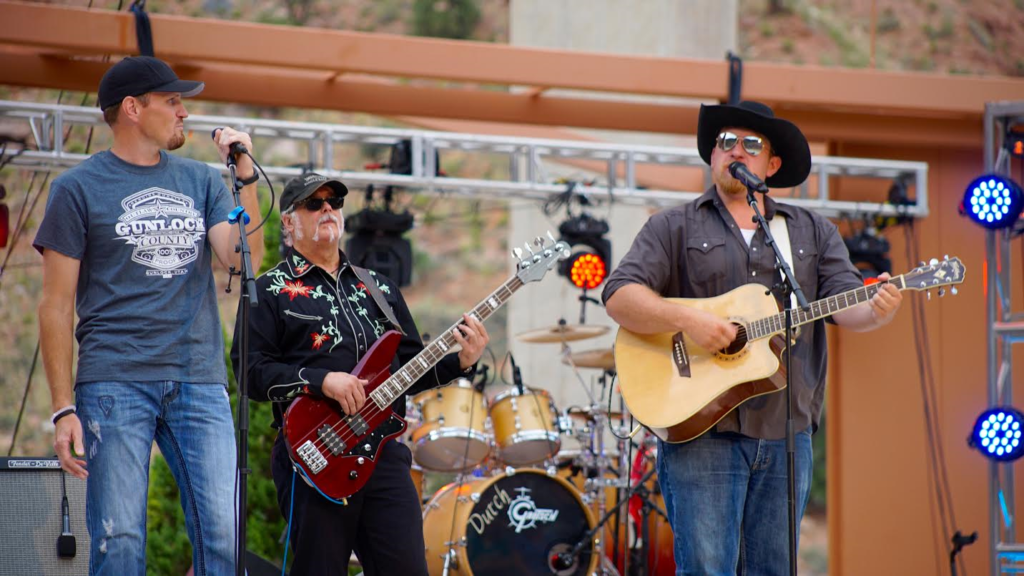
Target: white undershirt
{"x":748,"y":235}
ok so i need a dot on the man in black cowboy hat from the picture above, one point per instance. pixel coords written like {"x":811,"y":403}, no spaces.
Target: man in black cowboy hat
{"x":729,"y":485}
{"x":317,"y":317}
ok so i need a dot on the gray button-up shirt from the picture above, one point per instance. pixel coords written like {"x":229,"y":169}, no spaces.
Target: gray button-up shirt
{"x":697,"y":251}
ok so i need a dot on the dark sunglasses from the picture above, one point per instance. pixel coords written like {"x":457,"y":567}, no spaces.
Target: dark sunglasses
{"x":752,"y":144}
{"x":315,"y":204}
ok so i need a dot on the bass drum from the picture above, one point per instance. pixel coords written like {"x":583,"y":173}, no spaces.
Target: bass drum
{"x":513,"y":524}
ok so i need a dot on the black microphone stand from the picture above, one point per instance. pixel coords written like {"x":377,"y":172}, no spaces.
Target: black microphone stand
{"x":788,"y":285}
{"x":248,"y":301}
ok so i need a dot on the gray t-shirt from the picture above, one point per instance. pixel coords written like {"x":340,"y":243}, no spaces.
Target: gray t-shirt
{"x":146,"y":298}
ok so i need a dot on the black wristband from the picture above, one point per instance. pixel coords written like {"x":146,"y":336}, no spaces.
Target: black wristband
{"x":255,"y":176}
{"x":62,"y":414}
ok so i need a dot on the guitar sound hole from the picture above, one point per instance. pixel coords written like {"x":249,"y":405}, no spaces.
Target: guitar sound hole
{"x":738,"y":344}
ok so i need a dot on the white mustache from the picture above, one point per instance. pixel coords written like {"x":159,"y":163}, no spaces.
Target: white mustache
{"x":333,"y":233}
{"x":329,"y":217}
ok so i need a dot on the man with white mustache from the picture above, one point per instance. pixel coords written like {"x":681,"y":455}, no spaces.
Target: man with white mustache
{"x":317,"y":317}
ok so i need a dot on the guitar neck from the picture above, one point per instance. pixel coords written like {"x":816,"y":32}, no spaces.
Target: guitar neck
{"x":399,"y":382}
{"x":819,"y":309}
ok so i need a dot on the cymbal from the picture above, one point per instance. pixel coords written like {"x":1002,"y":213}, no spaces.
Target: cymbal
{"x":562,"y":333}
{"x":602,"y":358}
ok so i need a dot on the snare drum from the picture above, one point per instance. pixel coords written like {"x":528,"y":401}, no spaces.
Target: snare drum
{"x":512,"y":524}
{"x":454,"y":434}
{"x":525,"y":427}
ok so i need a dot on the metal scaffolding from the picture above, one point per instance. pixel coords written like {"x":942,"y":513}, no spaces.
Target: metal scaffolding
{"x":1005,"y":328}
{"x":529,"y":160}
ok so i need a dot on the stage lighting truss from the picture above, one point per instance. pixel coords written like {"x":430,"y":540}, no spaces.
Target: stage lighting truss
{"x":997,"y":434}
{"x":993,"y":201}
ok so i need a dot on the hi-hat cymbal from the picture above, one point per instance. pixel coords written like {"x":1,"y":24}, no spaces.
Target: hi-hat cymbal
{"x":602,"y":358}
{"x":562,"y":333}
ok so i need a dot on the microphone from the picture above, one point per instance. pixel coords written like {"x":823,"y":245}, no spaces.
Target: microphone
{"x":237,"y":148}
{"x":66,"y":541}
{"x":740,"y":172}
{"x":517,"y":377}
{"x":562,"y":561}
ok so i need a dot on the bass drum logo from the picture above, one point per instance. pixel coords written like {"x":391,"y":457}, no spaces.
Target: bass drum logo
{"x":165,"y":229}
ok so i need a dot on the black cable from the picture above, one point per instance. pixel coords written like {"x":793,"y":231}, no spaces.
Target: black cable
{"x":273,"y":197}
{"x":24,"y":400}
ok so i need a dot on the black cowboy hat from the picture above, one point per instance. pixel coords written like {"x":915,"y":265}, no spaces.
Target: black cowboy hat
{"x":787,"y":141}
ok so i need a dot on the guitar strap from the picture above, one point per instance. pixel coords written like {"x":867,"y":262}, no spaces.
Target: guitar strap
{"x":371,"y":286}
{"x":780,"y":231}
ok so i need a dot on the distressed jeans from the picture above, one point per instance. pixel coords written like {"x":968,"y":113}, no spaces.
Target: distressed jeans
{"x":193,"y":427}
{"x":726,"y":497}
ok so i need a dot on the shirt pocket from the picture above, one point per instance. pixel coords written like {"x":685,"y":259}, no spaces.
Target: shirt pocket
{"x":707,"y":261}
{"x":805,"y":266}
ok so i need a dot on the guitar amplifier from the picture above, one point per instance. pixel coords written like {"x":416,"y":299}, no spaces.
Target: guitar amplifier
{"x":32,"y":523}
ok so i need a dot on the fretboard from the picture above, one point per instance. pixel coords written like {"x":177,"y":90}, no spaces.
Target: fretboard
{"x":818,"y":309}
{"x":395,"y":386}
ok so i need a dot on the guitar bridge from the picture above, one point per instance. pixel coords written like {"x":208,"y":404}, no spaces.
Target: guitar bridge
{"x":679,"y":355}
{"x":312,"y":457}
{"x":331,"y":439}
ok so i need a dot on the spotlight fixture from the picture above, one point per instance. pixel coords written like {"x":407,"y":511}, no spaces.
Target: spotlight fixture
{"x":997,"y":434}
{"x":869,"y":251}
{"x":377,"y":240}
{"x":588,"y":266}
{"x":993,"y":201}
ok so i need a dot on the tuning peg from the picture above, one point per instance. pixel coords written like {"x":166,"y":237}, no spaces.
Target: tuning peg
{"x":552,"y":237}
{"x":538,"y":241}
{"x":528,"y":249}
{"x":517,"y":253}
{"x":933,"y":261}
{"x":928,"y":294}
{"x":953,"y":290}
{"x":946,"y":257}
{"x":942,"y":292}
{"x":923,"y":264}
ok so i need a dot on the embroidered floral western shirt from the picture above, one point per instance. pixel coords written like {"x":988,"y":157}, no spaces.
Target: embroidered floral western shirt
{"x":309,"y":323}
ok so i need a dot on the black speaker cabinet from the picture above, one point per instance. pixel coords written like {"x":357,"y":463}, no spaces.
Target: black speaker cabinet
{"x":31,"y":522}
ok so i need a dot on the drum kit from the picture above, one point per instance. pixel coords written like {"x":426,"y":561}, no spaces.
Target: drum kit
{"x":518,"y":502}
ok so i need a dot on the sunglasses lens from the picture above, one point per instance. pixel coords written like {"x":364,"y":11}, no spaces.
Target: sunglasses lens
{"x":753,"y":145}
{"x":726,"y":141}
{"x":315,"y":204}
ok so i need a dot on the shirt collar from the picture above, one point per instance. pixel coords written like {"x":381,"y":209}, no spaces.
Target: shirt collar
{"x":299,"y":265}
{"x":770,"y":205}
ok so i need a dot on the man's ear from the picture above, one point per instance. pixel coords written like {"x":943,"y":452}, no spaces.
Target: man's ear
{"x":774,"y":163}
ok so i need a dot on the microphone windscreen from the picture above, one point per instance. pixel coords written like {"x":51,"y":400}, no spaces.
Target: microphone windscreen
{"x":66,"y":547}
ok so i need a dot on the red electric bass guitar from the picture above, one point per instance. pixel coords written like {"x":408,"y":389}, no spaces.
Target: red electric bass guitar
{"x":337,"y":452}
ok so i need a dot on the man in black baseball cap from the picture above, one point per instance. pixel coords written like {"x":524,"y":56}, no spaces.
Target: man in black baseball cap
{"x":132,"y":231}
{"x":302,"y":187}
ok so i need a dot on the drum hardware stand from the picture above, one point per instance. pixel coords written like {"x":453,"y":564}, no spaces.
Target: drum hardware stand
{"x":568,"y":559}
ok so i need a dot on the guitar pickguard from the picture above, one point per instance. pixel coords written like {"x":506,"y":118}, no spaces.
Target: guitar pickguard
{"x":368,"y":446}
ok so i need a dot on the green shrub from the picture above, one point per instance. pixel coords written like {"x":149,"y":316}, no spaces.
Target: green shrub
{"x":454,"y":19}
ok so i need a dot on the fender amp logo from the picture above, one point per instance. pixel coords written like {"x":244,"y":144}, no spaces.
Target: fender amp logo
{"x":165,"y":229}
{"x":33,"y":463}
{"x":524,"y":514}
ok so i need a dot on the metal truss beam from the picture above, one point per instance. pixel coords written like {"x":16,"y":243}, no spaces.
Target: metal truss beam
{"x":529,"y":160}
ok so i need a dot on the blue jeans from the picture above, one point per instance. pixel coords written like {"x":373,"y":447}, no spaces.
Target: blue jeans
{"x":726,"y":497}
{"x":192,"y":425}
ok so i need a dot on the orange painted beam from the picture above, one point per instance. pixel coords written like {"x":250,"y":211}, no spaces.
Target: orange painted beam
{"x":180,"y":39}
{"x":304,"y":89}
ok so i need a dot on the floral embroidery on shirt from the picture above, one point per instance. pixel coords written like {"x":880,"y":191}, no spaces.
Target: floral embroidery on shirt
{"x":300,"y":264}
{"x":319,"y":339}
{"x":297,"y":288}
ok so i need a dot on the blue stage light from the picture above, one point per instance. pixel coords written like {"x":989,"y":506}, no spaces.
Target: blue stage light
{"x":997,"y":434}
{"x":993,"y":201}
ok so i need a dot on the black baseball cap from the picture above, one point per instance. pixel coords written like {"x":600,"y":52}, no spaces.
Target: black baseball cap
{"x":137,"y":75}
{"x":301,"y":187}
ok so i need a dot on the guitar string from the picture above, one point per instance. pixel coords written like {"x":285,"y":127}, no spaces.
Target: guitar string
{"x":771,"y":325}
{"x":371,"y":409}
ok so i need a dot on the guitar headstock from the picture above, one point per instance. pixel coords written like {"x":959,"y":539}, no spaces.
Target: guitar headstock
{"x":936,"y":274}
{"x":544,"y":255}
